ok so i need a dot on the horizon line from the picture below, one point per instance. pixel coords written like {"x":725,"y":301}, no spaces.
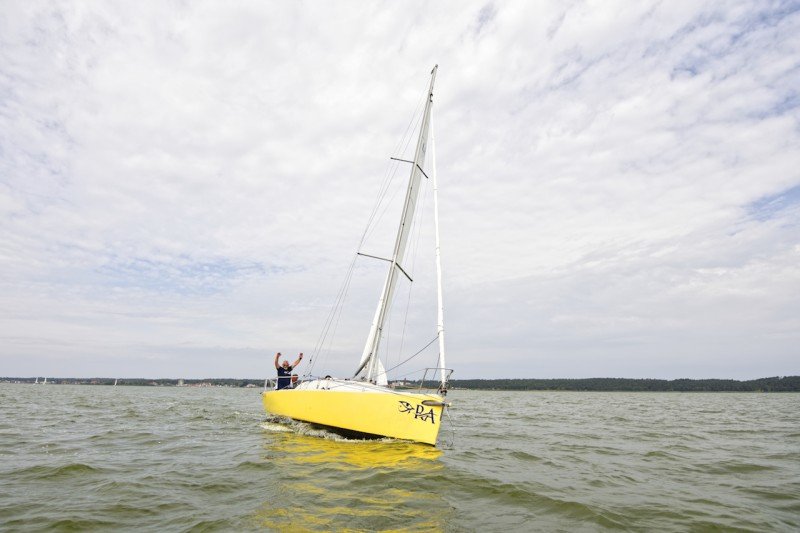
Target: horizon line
{"x":6,"y":378}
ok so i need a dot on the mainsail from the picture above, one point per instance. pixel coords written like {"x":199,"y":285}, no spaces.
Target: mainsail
{"x":370,"y":367}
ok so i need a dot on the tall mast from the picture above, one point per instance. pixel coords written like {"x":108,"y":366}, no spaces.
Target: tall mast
{"x":369,"y":357}
{"x":439,"y":299}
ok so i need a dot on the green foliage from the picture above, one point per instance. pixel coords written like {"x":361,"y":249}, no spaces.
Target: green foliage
{"x":773,"y":384}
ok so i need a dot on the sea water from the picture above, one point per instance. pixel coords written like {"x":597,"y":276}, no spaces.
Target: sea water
{"x":180,"y":458}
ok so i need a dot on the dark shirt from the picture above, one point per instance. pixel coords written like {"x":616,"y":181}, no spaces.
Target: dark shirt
{"x":284,"y":377}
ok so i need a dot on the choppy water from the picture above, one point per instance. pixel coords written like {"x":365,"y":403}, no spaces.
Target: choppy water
{"x":176,"y":459}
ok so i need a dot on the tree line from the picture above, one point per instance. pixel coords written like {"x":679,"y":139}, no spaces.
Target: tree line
{"x":771,"y":384}
{"x":145,"y":382}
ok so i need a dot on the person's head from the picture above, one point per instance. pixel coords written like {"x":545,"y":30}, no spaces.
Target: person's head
{"x":285,"y":364}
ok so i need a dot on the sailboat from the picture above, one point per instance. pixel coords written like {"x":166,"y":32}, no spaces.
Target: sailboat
{"x":364,"y":404}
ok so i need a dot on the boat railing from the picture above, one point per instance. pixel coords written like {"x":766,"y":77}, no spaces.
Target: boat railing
{"x":272,"y":383}
{"x":435,"y":381}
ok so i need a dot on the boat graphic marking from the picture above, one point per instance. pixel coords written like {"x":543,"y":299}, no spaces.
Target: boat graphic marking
{"x":419,"y":411}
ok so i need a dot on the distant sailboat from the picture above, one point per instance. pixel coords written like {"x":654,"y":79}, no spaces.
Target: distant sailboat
{"x":44,"y":382}
{"x":366,"y":404}
{"x":36,"y":382}
{"x":115,"y":382}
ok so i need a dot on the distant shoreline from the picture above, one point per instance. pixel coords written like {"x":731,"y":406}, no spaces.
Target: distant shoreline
{"x":770,"y":384}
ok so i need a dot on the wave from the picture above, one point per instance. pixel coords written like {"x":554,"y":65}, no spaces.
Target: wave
{"x":56,"y":472}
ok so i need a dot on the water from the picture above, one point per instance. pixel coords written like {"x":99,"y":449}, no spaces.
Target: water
{"x":177,"y":459}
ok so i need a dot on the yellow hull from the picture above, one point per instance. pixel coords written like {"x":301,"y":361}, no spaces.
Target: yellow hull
{"x":400,"y":415}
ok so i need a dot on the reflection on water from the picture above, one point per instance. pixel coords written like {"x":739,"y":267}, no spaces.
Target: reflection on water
{"x":310,"y":444}
{"x":323,"y":482}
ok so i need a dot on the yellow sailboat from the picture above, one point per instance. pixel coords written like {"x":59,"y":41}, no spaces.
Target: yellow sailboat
{"x":365,"y":404}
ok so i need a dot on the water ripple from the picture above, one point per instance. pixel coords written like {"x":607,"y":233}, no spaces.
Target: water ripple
{"x":180,"y":459}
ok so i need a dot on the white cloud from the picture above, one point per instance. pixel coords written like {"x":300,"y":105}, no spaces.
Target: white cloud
{"x":181,"y":186}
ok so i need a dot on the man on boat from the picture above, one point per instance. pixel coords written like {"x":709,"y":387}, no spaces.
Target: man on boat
{"x":285,"y":371}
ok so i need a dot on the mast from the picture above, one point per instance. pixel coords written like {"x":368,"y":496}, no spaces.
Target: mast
{"x":369,"y":358}
{"x":439,"y":299}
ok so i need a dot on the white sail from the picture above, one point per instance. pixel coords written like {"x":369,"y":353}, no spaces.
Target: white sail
{"x":369,"y":359}
{"x":380,"y":374}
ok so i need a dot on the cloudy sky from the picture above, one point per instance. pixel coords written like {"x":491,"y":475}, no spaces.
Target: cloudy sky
{"x":183,"y":184}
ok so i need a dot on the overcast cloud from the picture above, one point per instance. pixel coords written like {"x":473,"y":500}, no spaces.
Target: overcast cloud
{"x":183,"y":185}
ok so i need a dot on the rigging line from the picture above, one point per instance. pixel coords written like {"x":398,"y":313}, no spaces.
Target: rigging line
{"x":392,"y":168}
{"x":340,"y":308}
{"x":417,"y":232}
{"x":386,"y":335}
{"x":338,"y":304}
{"x":391,"y":173}
{"x":418,"y":371}
{"x":415,"y":115}
{"x":333,"y":318}
{"x":336,"y":324}
{"x":373,"y":223}
{"x":405,"y":323}
{"x":416,"y":354}
{"x":451,"y":422}
{"x":418,"y":119}
{"x":326,"y":324}
{"x":386,"y":206}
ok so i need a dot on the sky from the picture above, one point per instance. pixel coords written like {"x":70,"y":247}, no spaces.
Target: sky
{"x":183,"y":185}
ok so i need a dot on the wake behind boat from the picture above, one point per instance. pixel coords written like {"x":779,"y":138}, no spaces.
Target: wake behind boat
{"x":365,"y":404}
